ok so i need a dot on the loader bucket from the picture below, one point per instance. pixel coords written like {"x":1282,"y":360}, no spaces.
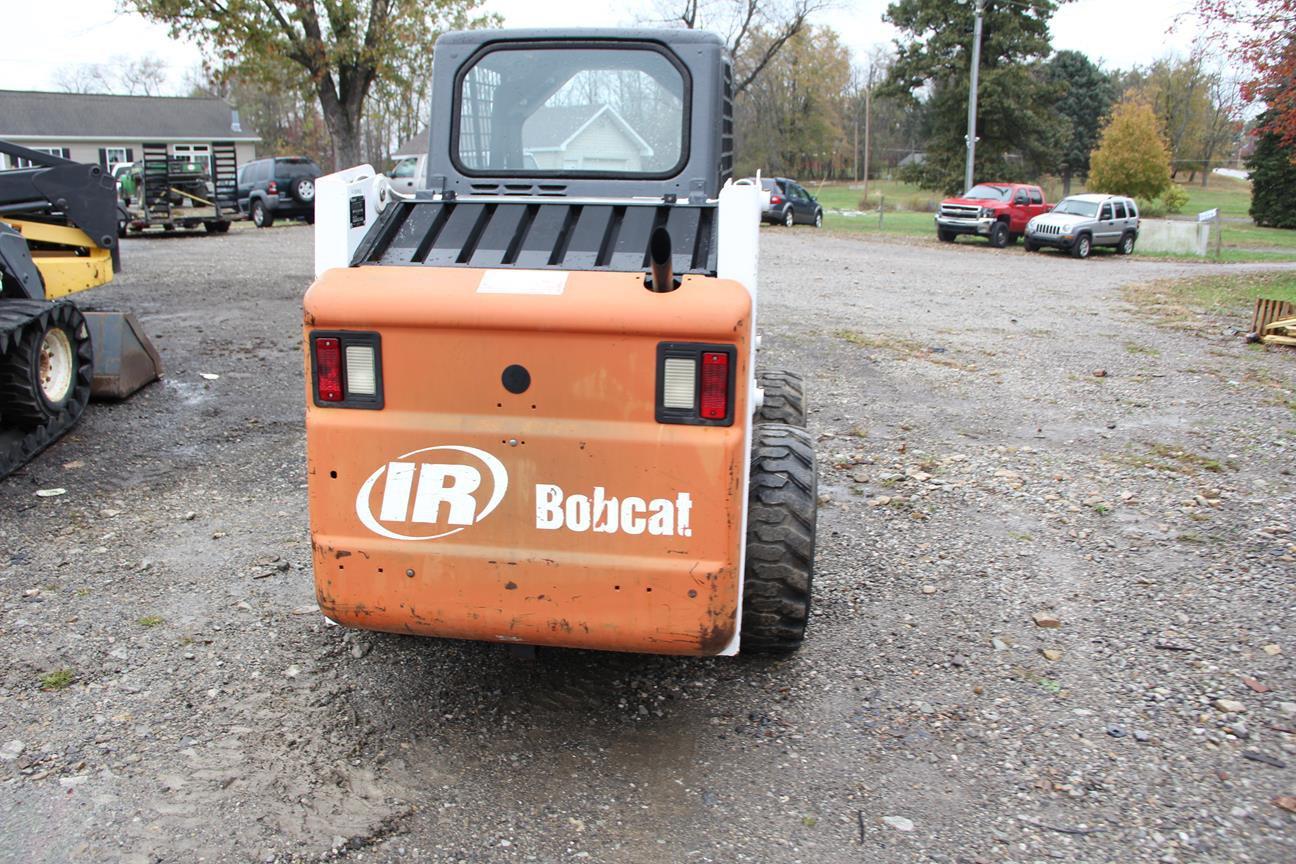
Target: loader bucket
{"x":124,"y":358}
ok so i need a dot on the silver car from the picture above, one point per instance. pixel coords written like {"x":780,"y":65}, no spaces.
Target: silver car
{"x":1081,"y":222}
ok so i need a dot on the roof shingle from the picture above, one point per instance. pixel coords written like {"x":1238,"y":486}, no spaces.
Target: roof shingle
{"x":137,"y":118}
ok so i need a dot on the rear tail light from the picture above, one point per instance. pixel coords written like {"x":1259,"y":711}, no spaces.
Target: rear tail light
{"x":328,"y":370}
{"x":776,"y":199}
{"x":346,"y":369}
{"x":273,"y":188}
{"x":695,"y":383}
{"x":714,"y":404}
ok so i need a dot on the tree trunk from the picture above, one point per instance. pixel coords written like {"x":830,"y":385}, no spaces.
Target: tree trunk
{"x":1066,"y":182}
{"x":343,"y":120}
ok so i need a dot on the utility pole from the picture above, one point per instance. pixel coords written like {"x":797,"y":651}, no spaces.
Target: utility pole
{"x":972,"y":96}
{"x":855,"y":154}
{"x":868,"y":123}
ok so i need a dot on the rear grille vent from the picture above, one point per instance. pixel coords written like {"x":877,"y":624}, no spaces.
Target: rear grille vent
{"x":539,"y":234}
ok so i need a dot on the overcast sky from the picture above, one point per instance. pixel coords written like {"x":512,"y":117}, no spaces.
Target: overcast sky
{"x":41,"y":37}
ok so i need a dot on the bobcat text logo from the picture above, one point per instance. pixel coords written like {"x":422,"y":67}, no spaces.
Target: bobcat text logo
{"x":607,"y":514}
{"x":445,"y":494}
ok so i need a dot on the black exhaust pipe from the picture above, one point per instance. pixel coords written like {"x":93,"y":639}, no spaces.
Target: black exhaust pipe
{"x":660,"y":277}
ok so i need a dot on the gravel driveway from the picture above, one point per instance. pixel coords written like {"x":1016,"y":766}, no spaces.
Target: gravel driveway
{"x":1054,"y":609}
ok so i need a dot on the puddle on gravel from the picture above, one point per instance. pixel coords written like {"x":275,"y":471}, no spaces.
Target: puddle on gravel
{"x":189,"y":392}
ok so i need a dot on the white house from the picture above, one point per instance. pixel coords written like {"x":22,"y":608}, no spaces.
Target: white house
{"x":109,"y":129}
{"x":582,"y":138}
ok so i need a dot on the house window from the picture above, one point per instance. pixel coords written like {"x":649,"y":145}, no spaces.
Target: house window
{"x":19,"y":162}
{"x":193,"y":153}
{"x":115,"y":155}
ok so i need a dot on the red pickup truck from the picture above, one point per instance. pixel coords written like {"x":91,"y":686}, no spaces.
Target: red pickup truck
{"x":997,"y":211}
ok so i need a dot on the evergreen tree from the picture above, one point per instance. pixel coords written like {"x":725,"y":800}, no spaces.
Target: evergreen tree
{"x":1132,"y":157}
{"x":1020,"y":133}
{"x":1273,"y":180}
{"x":1087,"y":96}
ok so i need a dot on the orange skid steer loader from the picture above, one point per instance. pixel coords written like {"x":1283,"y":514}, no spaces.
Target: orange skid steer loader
{"x":533,"y":412}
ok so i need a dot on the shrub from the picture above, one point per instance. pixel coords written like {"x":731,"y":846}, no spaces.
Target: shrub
{"x":1132,"y":158}
{"x":1175,"y":198}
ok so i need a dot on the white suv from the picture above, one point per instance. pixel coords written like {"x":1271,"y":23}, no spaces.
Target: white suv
{"x":1081,"y":222}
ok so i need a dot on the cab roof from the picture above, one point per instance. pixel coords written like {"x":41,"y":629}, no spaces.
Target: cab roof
{"x":672,"y":36}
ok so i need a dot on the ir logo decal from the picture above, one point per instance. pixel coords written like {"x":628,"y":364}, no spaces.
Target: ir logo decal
{"x":443,"y":494}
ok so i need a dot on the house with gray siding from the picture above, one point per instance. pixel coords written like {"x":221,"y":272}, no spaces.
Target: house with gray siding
{"x":582,"y":138}
{"x":110,"y":129}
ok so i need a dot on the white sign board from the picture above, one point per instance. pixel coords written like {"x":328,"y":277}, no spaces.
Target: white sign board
{"x":1208,"y":215}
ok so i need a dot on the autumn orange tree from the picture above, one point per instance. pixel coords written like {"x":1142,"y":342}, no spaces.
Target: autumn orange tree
{"x":1262,"y":35}
{"x":1132,"y":157}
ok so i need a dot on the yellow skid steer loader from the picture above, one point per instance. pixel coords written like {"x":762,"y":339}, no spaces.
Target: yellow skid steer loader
{"x":58,"y":236}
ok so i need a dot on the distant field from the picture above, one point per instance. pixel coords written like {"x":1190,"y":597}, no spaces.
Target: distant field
{"x":907,"y":212}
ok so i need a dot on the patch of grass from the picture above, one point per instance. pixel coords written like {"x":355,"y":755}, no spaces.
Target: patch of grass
{"x":57,"y":680}
{"x":150,"y":621}
{"x":1186,"y":458}
{"x":83,"y":592}
{"x":904,"y":347}
{"x":1050,"y":686}
{"x":1100,"y":508}
{"x":1177,"y":302}
{"x":1169,"y":458}
{"x":904,"y":223}
{"x":1140,"y":348}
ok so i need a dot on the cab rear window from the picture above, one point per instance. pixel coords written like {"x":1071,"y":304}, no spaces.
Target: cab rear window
{"x":534,"y":110}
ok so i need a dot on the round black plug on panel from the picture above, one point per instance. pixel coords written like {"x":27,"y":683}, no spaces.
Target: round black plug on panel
{"x":516,"y":379}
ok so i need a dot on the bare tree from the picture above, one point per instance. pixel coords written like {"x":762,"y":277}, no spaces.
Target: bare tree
{"x":738,"y":21}
{"x":145,"y":76}
{"x":83,"y":78}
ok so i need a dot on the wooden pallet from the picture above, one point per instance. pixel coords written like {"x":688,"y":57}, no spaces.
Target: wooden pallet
{"x":1269,"y":311}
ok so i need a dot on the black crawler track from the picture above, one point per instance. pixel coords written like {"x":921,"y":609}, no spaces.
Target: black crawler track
{"x":26,"y":425}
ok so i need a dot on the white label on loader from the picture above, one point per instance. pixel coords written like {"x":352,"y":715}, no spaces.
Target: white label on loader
{"x":606,"y":514}
{"x":442,"y":495}
{"x":550,"y":282}
{"x":412,"y":498}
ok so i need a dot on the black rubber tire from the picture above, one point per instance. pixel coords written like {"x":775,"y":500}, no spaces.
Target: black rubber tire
{"x":1082,"y":247}
{"x":1030,"y":247}
{"x":818,"y":223}
{"x":999,"y":235}
{"x":784,"y":398}
{"x":261,"y":217}
{"x":217,"y":227}
{"x":303,"y":189}
{"x":789,"y":218}
{"x":945,"y":236}
{"x":1126,"y":245}
{"x":782,"y":506}
{"x":310,"y":218}
{"x":25,"y":404}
